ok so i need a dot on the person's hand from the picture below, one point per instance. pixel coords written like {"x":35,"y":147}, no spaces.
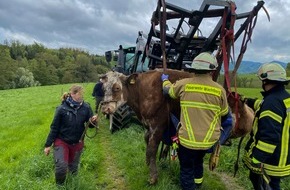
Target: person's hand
{"x":47,"y":150}
{"x":164,"y":77}
{"x":94,"y":118}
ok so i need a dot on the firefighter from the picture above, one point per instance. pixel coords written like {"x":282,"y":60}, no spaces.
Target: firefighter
{"x":203,"y":105}
{"x":267,"y":153}
{"x":98,"y":92}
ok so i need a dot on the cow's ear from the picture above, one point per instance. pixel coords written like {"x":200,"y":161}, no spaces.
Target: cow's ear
{"x":132,"y":78}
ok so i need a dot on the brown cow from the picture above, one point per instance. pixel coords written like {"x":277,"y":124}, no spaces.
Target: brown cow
{"x":143,"y":93}
{"x":242,"y":114}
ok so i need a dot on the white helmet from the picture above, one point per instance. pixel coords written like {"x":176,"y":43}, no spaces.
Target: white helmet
{"x":204,"y":61}
{"x":273,"y":72}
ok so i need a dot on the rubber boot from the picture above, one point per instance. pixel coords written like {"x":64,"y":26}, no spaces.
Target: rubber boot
{"x":60,"y":180}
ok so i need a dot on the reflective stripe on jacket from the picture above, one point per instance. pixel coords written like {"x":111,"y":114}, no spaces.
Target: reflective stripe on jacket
{"x":269,"y":140}
{"x":202,"y":102}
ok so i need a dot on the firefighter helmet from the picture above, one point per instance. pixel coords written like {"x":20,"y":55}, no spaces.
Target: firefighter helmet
{"x":204,"y":61}
{"x":273,"y":72}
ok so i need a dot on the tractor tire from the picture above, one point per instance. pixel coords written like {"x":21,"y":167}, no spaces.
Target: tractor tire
{"x":121,"y":118}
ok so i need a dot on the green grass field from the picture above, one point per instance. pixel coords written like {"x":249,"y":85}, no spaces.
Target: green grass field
{"x":110,"y":161}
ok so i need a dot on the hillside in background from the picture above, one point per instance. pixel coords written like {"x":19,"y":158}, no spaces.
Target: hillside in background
{"x":252,"y":67}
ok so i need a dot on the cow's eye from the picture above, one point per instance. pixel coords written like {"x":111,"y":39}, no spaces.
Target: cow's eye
{"x":116,"y":89}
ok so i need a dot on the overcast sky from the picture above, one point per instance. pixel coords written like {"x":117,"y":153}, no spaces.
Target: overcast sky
{"x":100,"y":25}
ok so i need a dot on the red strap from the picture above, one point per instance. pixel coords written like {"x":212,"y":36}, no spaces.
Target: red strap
{"x":227,"y":36}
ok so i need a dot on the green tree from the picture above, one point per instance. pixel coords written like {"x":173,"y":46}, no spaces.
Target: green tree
{"x":67,"y":77}
{"x":17,"y":50}
{"x":48,"y":66}
{"x":39,"y":71}
{"x":7,"y":68}
{"x":33,"y":50}
{"x":24,"y":78}
{"x":84,"y":69}
{"x":288,"y":69}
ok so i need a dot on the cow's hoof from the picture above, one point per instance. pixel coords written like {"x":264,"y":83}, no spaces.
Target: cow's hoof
{"x":152,"y":181}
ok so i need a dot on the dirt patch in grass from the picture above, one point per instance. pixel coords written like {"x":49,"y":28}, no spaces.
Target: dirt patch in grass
{"x":230,"y":182}
{"x":114,"y":174}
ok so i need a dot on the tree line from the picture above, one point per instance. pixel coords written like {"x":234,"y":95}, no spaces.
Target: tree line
{"x":34,"y":65}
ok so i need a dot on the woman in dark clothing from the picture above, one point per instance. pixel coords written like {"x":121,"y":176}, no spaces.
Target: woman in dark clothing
{"x":66,"y":131}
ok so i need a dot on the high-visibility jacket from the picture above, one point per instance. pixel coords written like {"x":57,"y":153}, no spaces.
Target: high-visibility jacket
{"x":202,"y":102}
{"x":269,"y":139}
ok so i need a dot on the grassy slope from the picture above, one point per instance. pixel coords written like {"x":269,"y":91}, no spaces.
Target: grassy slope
{"x":109,"y":161}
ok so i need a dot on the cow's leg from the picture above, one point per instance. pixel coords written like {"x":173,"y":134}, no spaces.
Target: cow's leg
{"x":151,"y":152}
{"x":146,"y":137}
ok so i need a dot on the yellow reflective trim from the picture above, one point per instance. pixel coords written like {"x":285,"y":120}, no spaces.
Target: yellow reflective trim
{"x":270,"y":169}
{"x":211,"y":128}
{"x":198,"y":180}
{"x":200,"y":105}
{"x":271,"y":114}
{"x":166,"y":83}
{"x":255,"y":129}
{"x":203,"y":89}
{"x":225,"y":111}
{"x":266,"y":147}
{"x":287,"y":102}
{"x":285,"y":135}
{"x":188,"y":124}
{"x":172,"y":93}
{"x":277,"y":170}
{"x":193,"y":145}
{"x":257,"y":104}
{"x":285,"y":141}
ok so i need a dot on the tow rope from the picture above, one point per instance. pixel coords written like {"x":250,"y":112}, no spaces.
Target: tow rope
{"x":86,"y":128}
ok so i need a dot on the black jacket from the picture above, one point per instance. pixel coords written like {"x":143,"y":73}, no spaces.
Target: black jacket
{"x":269,"y":140}
{"x":68,"y":123}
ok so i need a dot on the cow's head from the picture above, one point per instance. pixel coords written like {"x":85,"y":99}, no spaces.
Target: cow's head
{"x":114,"y":95}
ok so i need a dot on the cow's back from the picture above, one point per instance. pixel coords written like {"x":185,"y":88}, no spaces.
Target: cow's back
{"x":147,"y":99}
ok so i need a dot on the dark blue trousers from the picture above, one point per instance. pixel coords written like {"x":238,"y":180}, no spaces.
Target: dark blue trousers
{"x":259,"y":183}
{"x":191,"y":167}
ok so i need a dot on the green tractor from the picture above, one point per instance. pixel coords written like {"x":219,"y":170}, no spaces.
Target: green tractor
{"x":126,"y":60}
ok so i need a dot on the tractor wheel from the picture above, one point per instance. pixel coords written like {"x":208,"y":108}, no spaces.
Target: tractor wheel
{"x":121,"y":118}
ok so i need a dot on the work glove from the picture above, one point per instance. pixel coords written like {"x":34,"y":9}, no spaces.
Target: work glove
{"x":214,"y":157}
{"x":256,"y":166}
{"x":164,"y":77}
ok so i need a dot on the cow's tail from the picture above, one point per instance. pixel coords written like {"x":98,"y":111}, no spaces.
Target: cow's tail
{"x":238,"y":156}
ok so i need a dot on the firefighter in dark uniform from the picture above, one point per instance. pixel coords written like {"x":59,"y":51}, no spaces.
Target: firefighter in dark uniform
{"x":203,"y":104}
{"x":98,"y":92}
{"x":267,"y":152}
